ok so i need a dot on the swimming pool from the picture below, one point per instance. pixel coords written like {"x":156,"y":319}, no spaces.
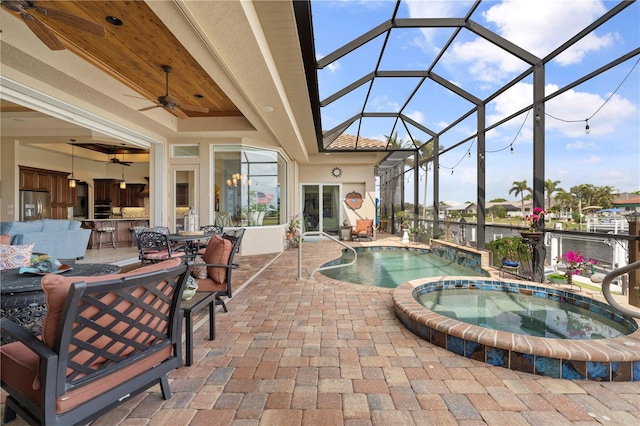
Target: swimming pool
{"x":391,"y":266}
{"x":602,"y":359}
{"x":541,"y":314}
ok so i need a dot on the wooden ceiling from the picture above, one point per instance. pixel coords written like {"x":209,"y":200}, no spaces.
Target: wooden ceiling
{"x":135,"y":51}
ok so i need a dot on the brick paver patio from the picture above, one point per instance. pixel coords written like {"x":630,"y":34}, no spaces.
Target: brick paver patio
{"x":320,"y":352}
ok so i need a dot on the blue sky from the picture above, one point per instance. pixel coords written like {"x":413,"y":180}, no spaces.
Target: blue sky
{"x":609,"y":155}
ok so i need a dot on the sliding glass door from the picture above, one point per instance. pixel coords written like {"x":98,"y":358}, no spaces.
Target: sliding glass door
{"x":321,"y":208}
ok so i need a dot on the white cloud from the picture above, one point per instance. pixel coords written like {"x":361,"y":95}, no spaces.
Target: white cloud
{"x":441,"y":125}
{"x":416,"y":116}
{"x":567,"y":112}
{"x":522,"y":22}
{"x":592,"y":159}
{"x":383,"y":104}
{"x":578,"y":145}
{"x":334,"y":67}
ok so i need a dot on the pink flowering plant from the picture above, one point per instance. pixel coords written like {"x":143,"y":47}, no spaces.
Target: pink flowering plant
{"x":576,"y":263}
{"x":534,"y":218}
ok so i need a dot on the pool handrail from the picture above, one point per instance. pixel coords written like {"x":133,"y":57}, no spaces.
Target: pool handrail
{"x":606,"y":290}
{"x":323,"y":268}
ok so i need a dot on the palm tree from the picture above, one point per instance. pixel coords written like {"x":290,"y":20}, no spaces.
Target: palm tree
{"x":393,"y":141}
{"x":604,"y":196}
{"x":518,"y":189}
{"x":551,"y":186}
{"x":564,"y":199}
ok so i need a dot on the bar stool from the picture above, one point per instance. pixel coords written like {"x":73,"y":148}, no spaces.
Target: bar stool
{"x":103,"y":227}
{"x":133,"y":227}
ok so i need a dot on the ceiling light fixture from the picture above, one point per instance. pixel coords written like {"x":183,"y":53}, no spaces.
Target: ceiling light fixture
{"x":72,"y":179}
{"x":113,"y":20}
{"x":123,"y":183}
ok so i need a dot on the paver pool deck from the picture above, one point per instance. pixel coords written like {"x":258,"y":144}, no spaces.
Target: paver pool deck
{"x":321,"y":352}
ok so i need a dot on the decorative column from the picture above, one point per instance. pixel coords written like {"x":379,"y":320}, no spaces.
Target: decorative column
{"x":634,"y":256}
{"x":538,"y":253}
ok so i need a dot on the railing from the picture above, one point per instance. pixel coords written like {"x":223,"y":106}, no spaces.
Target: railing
{"x":606,"y":283}
{"x":323,"y":268}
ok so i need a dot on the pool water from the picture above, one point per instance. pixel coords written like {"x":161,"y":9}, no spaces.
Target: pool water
{"x":390,"y":268}
{"x":522,"y":314}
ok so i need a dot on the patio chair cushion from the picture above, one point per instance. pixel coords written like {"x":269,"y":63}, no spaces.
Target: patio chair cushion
{"x":363,"y":226}
{"x":56,"y":288}
{"x":21,"y":367}
{"x":218,"y":252}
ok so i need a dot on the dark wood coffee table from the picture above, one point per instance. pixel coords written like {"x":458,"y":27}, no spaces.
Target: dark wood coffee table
{"x":23,"y":300}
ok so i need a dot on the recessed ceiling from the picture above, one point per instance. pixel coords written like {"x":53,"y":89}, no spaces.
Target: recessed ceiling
{"x":135,"y":52}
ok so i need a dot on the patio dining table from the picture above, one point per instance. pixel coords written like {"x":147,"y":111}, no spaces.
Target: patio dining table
{"x":191,"y":241}
{"x":23,"y":300}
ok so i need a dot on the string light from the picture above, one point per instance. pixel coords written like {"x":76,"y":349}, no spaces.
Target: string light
{"x":587,"y":129}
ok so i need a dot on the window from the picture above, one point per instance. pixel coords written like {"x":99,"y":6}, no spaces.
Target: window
{"x":249,"y":186}
{"x":182,"y":151}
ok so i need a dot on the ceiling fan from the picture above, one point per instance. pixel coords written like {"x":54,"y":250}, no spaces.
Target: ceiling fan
{"x":24,"y":9}
{"x":170,"y":103}
{"x":116,"y":160}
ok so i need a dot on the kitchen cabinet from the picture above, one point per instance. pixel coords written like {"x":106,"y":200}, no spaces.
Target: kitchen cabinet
{"x":129,"y":196}
{"x":54,"y":182}
{"x":182,"y":195}
{"x":107,"y":191}
{"x":34,"y":179}
{"x":60,"y":194}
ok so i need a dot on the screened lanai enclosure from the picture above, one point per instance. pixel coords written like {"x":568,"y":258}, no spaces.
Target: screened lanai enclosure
{"x":470,"y":97}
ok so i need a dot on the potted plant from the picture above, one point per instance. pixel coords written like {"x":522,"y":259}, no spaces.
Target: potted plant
{"x":415,"y":234}
{"x":535,"y":221}
{"x":293,"y":232}
{"x":575,"y":264}
{"x":509,"y":250}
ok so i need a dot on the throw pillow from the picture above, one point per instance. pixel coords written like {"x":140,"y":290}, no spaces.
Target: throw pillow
{"x":218,"y":251}
{"x":199,"y":271}
{"x":12,"y":257}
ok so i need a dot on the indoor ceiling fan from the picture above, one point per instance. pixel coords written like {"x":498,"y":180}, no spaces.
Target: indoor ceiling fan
{"x":116,"y":160}
{"x":170,"y":103}
{"x":25,"y":9}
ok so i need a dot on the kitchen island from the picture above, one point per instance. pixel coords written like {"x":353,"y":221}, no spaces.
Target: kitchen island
{"x":123,"y":235}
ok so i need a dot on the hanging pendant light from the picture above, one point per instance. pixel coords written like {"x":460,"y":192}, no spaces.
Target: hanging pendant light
{"x":72,"y":179}
{"x":123,"y":184}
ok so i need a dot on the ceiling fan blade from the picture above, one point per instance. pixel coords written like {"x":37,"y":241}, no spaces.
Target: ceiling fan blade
{"x":148,"y":108}
{"x":195,"y":108}
{"x":43,"y":32}
{"x":73,"y":20}
{"x":178,"y":112}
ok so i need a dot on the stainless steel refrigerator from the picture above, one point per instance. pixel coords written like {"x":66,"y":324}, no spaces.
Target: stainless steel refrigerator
{"x":35,"y":205}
